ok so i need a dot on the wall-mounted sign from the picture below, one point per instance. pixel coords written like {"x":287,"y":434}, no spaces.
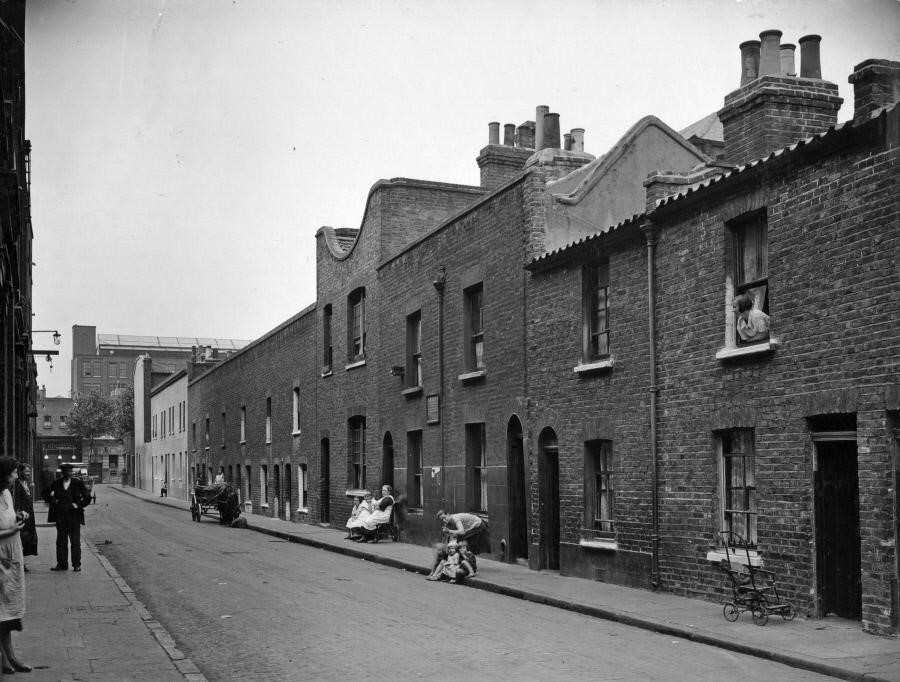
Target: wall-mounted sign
{"x":433,"y":409}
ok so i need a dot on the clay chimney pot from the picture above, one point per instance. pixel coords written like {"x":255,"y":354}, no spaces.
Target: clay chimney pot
{"x":770,"y":53}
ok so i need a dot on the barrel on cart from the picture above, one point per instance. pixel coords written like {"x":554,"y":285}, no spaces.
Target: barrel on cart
{"x":219,"y":500}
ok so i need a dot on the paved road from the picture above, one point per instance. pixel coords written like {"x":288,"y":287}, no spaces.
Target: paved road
{"x":245,"y":606}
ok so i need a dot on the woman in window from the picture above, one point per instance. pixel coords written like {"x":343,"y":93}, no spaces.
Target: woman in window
{"x":752,"y":323}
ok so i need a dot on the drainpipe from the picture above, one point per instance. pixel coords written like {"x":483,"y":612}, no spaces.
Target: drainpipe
{"x":651,"y":233}
{"x":439,"y":286}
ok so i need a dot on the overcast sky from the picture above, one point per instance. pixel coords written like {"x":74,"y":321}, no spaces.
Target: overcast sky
{"x":186,"y":152}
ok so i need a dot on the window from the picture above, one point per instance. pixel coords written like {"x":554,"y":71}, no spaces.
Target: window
{"x":474,"y":327}
{"x":303,"y":486}
{"x":326,"y":340}
{"x":62,"y":421}
{"x":96,"y":368}
{"x":599,"y":519}
{"x":48,"y":421}
{"x":206,"y":439}
{"x":738,"y":483}
{"x":250,"y":484}
{"x":162,"y":424}
{"x":86,"y":368}
{"x":295,"y":426}
{"x":750,"y":274}
{"x":356,"y":451}
{"x":113,"y":369}
{"x":223,"y":427}
{"x":414,"y":468}
{"x":264,"y":485}
{"x":595,"y":301}
{"x":172,"y":420}
{"x":123,"y":368}
{"x":268,"y":420}
{"x":476,"y":467}
{"x":243,"y":424}
{"x":356,"y":325}
{"x":414,"y":349}
{"x":194,"y":435}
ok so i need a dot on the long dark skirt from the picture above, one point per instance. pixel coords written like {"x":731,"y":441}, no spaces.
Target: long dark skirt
{"x":479,"y":539}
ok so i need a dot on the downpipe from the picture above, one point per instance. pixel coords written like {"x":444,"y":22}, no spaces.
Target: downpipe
{"x":651,"y":233}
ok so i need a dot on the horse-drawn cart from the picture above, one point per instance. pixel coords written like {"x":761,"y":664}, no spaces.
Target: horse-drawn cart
{"x":219,"y":500}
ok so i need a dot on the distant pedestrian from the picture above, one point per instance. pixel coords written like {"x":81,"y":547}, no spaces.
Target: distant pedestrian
{"x":12,"y":567}
{"x":163,"y":491}
{"x":23,"y":502}
{"x":67,"y":498}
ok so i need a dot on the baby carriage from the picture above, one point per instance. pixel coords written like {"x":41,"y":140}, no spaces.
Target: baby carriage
{"x":753,"y":588}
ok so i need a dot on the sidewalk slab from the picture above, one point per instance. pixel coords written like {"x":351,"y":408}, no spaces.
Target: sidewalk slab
{"x":88,"y":625}
{"x":828,"y":646}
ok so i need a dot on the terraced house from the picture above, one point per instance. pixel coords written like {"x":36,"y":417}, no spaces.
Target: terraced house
{"x":564,"y":349}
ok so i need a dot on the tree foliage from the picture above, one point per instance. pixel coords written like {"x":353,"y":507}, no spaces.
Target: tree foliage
{"x":92,"y":416}
{"x":123,"y":412}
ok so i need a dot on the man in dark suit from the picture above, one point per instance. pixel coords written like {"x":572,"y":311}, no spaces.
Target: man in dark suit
{"x":67,"y":498}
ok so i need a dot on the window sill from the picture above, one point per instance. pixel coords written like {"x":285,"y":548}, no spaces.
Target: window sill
{"x":608,"y":545}
{"x":243,"y":441}
{"x":303,"y":510}
{"x":473,"y":376}
{"x":743,"y":351}
{"x":263,"y":506}
{"x":411,"y":391}
{"x":296,"y":433}
{"x":415,"y":512}
{"x":354,"y":365}
{"x":716,"y":556}
{"x":327,"y":373}
{"x":595,"y":366}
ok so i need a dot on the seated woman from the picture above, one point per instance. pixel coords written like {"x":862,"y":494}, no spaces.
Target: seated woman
{"x":381,"y":514}
{"x":220,"y":477}
{"x":362,"y":507}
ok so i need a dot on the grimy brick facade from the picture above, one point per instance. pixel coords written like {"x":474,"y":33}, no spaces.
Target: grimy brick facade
{"x":821,"y":392}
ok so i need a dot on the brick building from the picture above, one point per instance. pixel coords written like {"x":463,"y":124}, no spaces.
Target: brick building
{"x":54,"y":444}
{"x":17,"y":369}
{"x":680,"y":429}
{"x":556,"y":350}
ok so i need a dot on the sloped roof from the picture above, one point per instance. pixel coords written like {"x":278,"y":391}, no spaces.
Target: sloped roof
{"x":708,"y":128}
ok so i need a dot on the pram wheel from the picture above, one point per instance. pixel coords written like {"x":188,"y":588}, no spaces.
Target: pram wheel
{"x":760,"y":615}
{"x":730,"y":611}
{"x":788,"y":612}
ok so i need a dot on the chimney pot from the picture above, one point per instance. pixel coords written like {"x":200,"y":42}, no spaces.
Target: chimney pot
{"x":551,"y":131}
{"x":770,"y":53}
{"x":749,"y":61}
{"x":493,"y":132}
{"x":567,"y":141}
{"x":540,"y":112}
{"x":787,"y":59}
{"x":810,"y":59}
{"x":509,"y":135}
{"x":525,"y":136}
{"x":577,"y":139}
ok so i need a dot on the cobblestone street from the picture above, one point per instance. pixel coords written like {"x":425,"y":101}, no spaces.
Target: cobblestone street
{"x":246,"y":606}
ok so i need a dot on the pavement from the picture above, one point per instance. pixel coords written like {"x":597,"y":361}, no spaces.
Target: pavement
{"x":92,"y":627}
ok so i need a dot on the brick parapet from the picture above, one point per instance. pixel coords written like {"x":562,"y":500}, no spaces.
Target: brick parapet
{"x":500,"y":164}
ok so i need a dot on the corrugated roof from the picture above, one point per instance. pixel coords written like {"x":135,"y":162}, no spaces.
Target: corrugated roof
{"x":168,"y":342}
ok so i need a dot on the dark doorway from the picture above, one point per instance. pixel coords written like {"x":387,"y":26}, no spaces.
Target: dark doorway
{"x":324,"y":487}
{"x":518,"y":500}
{"x":387,"y":460}
{"x":837,"y":526}
{"x":287,"y":492}
{"x":276,"y":497}
{"x":548,"y":475}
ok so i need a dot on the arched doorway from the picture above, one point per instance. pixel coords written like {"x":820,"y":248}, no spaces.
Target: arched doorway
{"x":387,"y":460}
{"x":548,"y":480}
{"x":518,"y":498}
{"x":324,"y":487}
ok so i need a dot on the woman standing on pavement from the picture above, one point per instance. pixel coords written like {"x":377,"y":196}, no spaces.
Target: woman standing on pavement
{"x":23,"y":502}
{"x":12,"y":567}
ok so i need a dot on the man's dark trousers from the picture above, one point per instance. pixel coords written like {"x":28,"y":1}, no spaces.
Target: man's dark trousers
{"x":68,"y":531}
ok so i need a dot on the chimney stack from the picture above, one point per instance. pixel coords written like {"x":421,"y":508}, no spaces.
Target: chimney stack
{"x":749,"y":61}
{"x":770,"y":53}
{"x":876,"y":84}
{"x":493,"y":132}
{"x":787,"y":60}
{"x":541,"y":111}
{"x":810,"y":61}
{"x":509,"y":135}
{"x":567,"y":141}
{"x":777,"y":108}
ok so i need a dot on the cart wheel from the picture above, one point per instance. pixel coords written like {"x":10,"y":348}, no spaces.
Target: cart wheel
{"x":760,"y":615}
{"x":788,"y":612}
{"x":730,"y":611}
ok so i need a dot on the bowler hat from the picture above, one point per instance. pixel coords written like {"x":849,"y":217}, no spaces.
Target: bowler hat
{"x":65,"y":466}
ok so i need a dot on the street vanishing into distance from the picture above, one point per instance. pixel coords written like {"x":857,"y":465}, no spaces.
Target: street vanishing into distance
{"x":246,"y":606}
